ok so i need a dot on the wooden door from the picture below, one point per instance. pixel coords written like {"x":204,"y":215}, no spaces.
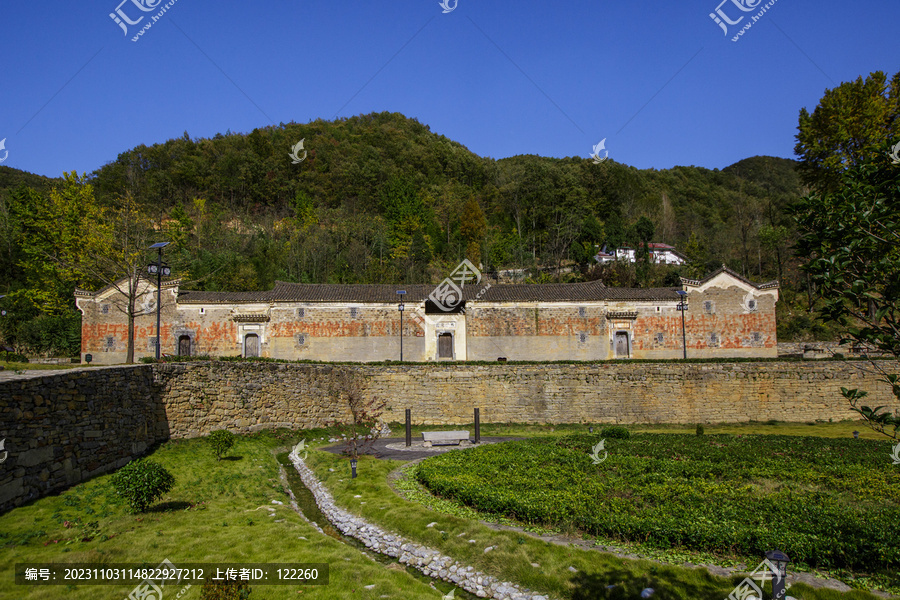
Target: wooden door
{"x":184,"y":346}
{"x":621,"y":344}
{"x":445,"y":345}
{"x":251,"y":345}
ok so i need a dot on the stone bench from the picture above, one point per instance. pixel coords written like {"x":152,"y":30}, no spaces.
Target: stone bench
{"x":444,"y":438}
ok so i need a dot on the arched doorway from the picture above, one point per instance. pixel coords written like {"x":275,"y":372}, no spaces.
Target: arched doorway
{"x":184,"y":345}
{"x":251,"y":345}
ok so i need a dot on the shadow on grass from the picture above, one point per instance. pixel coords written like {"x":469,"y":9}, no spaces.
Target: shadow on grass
{"x":233,"y":458}
{"x":622,"y":584}
{"x":170,"y":506}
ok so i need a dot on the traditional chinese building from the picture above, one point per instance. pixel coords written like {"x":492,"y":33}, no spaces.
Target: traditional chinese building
{"x":724,"y":315}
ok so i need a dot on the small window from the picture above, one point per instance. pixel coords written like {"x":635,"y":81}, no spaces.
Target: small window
{"x":751,"y":304}
{"x":110,"y":341}
{"x":658,"y":309}
{"x":151,"y":342}
{"x":757,"y":337}
{"x":202,"y":311}
{"x":301,"y":339}
{"x":582,"y":311}
{"x":354,"y":312}
{"x":709,"y":307}
{"x":660,"y":338}
{"x":713,"y":339}
{"x":301,"y":312}
{"x":104,"y":309}
{"x":582,"y":338}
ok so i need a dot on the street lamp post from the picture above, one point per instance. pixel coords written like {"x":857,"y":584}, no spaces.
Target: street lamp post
{"x":682,"y":306}
{"x":159,"y":268}
{"x":400,"y":308}
{"x":780,"y":561}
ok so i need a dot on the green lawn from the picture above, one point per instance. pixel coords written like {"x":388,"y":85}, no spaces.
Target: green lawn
{"x":217,"y":512}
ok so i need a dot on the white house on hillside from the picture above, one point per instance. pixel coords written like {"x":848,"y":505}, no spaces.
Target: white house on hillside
{"x":659,"y":253}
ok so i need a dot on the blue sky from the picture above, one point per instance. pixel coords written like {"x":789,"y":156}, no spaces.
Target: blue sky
{"x":660,"y":81}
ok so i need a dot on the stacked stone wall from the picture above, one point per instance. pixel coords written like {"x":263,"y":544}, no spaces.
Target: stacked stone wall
{"x":65,"y":428}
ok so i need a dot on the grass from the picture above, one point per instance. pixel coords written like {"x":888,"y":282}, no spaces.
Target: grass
{"x":217,"y":513}
{"x":513,"y":553}
{"x":19,"y":366}
{"x":814,"y":498}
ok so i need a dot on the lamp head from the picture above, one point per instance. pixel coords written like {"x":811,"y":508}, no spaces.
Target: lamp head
{"x":779,"y":559}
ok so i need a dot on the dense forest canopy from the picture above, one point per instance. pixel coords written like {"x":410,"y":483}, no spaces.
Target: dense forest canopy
{"x":379,"y":198}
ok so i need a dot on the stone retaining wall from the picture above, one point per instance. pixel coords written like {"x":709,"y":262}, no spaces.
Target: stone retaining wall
{"x":63,"y":428}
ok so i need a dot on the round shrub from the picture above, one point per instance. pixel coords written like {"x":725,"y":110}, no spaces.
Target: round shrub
{"x":615,"y":432}
{"x":699,"y":430}
{"x":141,"y":482}
{"x":221,"y":442}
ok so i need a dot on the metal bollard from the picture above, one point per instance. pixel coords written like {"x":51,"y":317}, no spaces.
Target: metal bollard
{"x":477,"y":425}
{"x":408,"y":428}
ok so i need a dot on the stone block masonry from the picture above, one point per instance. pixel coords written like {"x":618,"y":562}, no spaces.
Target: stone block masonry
{"x":64,"y":428}
{"x":68,"y":427}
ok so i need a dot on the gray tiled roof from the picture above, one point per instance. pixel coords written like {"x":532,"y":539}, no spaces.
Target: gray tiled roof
{"x":374,"y":293}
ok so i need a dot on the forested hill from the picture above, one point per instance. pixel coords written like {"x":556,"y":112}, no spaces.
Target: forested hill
{"x":12,"y":178}
{"x":381,"y":198}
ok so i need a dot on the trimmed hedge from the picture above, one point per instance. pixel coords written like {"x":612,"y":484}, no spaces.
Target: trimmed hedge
{"x":825,"y":502}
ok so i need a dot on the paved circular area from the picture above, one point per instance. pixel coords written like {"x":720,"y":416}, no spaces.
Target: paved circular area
{"x":395,"y":448}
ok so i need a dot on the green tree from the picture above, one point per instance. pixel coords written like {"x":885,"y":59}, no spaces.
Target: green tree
{"x":775,"y":238}
{"x":51,"y":242}
{"x":849,"y":124}
{"x":473,"y":228}
{"x":70,"y":240}
{"x":221,"y":442}
{"x":851,"y":244}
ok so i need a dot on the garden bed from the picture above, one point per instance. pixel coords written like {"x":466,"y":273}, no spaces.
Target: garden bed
{"x":828,"y":503}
